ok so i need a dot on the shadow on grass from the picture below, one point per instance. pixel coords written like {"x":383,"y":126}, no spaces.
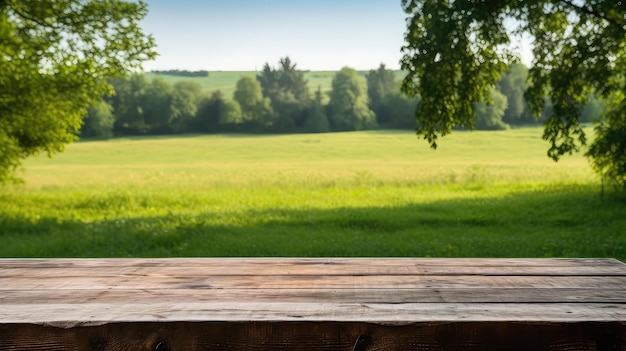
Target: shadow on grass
{"x":563,"y":223}
{"x":145,"y":137}
{"x":260,"y":134}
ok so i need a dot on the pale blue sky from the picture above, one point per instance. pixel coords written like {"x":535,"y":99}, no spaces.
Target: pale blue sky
{"x":244,"y":34}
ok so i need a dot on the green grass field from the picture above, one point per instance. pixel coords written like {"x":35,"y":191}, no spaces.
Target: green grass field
{"x":225,"y":81}
{"x":383,"y":193}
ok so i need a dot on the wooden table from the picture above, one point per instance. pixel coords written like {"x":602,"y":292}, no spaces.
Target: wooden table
{"x":312,"y":304}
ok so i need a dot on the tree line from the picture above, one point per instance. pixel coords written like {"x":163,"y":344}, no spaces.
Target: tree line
{"x":278,"y":100}
{"x":183,"y":73}
{"x":55,"y":65}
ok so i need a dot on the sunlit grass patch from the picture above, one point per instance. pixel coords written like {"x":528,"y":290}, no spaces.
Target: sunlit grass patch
{"x":483,"y":194}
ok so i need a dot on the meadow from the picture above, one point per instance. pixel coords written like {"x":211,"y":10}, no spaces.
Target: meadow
{"x":380,"y":193}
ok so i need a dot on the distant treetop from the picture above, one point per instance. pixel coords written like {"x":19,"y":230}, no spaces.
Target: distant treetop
{"x":183,"y":73}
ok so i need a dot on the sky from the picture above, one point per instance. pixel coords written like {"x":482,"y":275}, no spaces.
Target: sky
{"x":235,"y":35}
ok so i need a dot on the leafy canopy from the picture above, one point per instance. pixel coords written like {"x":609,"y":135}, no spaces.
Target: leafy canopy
{"x":254,"y":106}
{"x":55,"y":56}
{"x":348,"y":105}
{"x":456,"y":51}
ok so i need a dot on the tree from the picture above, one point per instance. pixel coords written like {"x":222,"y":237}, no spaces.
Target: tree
{"x":288,"y":92}
{"x":55,"y":58}
{"x":255,"y":108}
{"x":207,"y":118}
{"x":183,"y":73}
{"x":216,"y":113}
{"x":185,"y":100}
{"x":287,"y":78}
{"x":593,"y":111}
{"x":317,"y":120}
{"x":229,"y":113}
{"x":287,"y":110}
{"x":456,"y":50}
{"x":608,"y":155}
{"x":513,"y":85}
{"x":99,"y":121}
{"x":489,"y":116}
{"x":348,"y":105}
{"x":156,"y":105}
{"x":399,"y":111}
{"x":127,"y":104}
{"x":269,"y":80}
{"x":380,"y":83}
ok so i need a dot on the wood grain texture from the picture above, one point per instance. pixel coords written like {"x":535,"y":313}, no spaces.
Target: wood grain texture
{"x":312,"y":304}
{"x":327,"y":266}
{"x":71,"y":315}
{"x":332,"y":336}
{"x":203,"y":282}
{"x":358,"y":295}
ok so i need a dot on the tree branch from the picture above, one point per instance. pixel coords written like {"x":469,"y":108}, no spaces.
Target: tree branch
{"x":29,"y":18}
{"x":592,"y":12}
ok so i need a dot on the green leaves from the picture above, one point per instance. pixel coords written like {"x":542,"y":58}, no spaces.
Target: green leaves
{"x":608,"y":151}
{"x":55,"y":56}
{"x":456,"y":50}
{"x":454,"y":53}
{"x":348,"y":105}
{"x":288,"y":93}
{"x":254,"y":106}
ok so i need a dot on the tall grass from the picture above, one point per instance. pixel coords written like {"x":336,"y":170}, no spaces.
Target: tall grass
{"x":482,"y":194}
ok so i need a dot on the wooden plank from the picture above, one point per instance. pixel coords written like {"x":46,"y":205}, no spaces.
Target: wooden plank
{"x":361,"y":295}
{"x":227,"y":269}
{"x":329,"y":266}
{"x":56,"y":291}
{"x":291,"y":262}
{"x":315,"y":336}
{"x":68,"y":315}
{"x":122,"y":282}
{"x":312,"y":304}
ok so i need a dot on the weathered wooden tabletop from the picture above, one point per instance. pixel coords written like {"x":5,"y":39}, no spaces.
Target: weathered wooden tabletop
{"x":289,"y":303}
